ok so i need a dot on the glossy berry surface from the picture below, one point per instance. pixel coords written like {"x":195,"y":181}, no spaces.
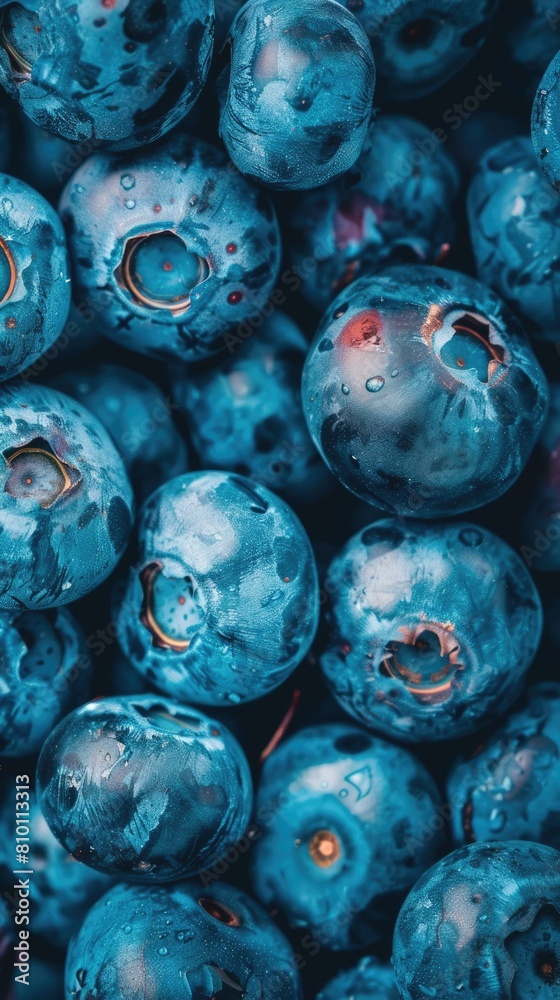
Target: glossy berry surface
{"x":515,"y":231}
{"x":419,"y":44}
{"x":105,"y":74}
{"x":298,"y":96}
{"x":245,"y":413}
{"x":64,"y":489}
{"x":223,"y":602}
{"x":510,"y":787}
{"x":370,"y":978}
{"x":61,"y":889}
{"x":139,"y":417}
{"x":45,"y":671}
{"x":34,"y":276}
{"x":545,"y":130}
{"x":483,"y":922}
{"x":422,"y":392}
{"x":215,"y":942}
{"x":541,"y":522}
{"x":173,"y":247}
{"x":398,"y":207}
{"x":341,"y":816}
{"x":432,"y":628}
{"x":143,"y":787}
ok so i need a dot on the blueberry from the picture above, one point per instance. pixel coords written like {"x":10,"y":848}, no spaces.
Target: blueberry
{"x":45,"y":670}
{"x":297,"y":99}
{"x":510,"y":788}
{"x":430,"y":399}
{"x":369,"y":980}
{"x":347,"y":824}
{"x":61,"y":889}
{"x":514,"y":220}
{"x":143,"y":787}
{"x":154,"y":940}
{"x":223,"y":602}
{"x":246,"y":414}
{"x":394,"y":204}
{"x":65,"y":500}
{"x":419,"y":44}
{"x":171,"y":247}
{"x":541,"y":521}
{"x":544,"y":123}
{"x":139,"y":418}
{"x":532,"y":41}
{"x":105,"y":74}
{"x":483,"y":923}
{"x":34,"y":276}
{"x":432,"y":628}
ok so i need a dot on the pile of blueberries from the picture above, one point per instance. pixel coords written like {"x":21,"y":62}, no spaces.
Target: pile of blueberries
{"x":279,"y":500}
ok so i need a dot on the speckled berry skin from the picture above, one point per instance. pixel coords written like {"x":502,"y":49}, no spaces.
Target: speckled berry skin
{"x":298,"y":97}
{"x":61,"y":890}
{"x":400,"y":205}
{"x":510,"y":787}
{"x":483,"y":922}
{"x":545,"y":129}
{"x":422,"y":393}
{"x":432,"y":628}
{"x":245,"y":414}
{"x":143,"y":787}
{"x":540,"y":526}
{"x":34,"y":276}
{"x":139,"y":417}
{"x":223,"y":602}
{"x":172,"y":245}
{"x":343,"y":819}
{"x":117,"y":74}
{"x":207,"y":943}
{"x":514,"y":220}
{"x":45,"y":671}
{"x":369,"y":980}
{"x":65,"y":500}
{"x":419,"y":44}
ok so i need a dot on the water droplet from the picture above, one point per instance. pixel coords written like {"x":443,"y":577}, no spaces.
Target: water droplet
{"x":375,"y":383}
{"x":235,"y":698}
{"x":127,"y":929}
{"x":345,"y":389}
{"x":343,"y":793}
{"x":394,"y":373}
{"x":130,"y":203}
{"x":79,"y":188}
{"x":162,"y":951}
{"x":127,"y":182}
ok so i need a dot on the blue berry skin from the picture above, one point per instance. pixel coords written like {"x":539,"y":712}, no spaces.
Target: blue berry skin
{"x":343,"y":819}
{"x":400,"y":205}
{"x":533,"y":40}
{"x":66,"y":504}
{"x":514,"y":220}
{"x":141,"y":941}
{"x":61,"y":889}
{"x":45,"y":671}
{"x":298,"y":97}
{"x":369,"y":980}
{"x":143,"y":787}
{"x":545,"y":129}
{"x":172,"y":246}
{"x":483,"y":923}
{"x":541,"y":522}
{"x":137,"y":415}
{"x":510,"y":788}
{"x":34,"y":276}
{"x":106,"y":74}
{"x":422,"y":393}
{"x":432,"y":628}
{"x":420,"y":44}
{"x":245,"y":414}
{"x":223,"y":602}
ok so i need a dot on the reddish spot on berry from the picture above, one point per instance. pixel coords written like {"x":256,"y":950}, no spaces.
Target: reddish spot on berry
{"x":108,"y":4}
{"x":168,"y":266}
{"x":363,"y":330}
{"x":231,"y":248}
{"x":11,"y":322}
{"x":157,"y":208}
{"x":234,"y":297}
{"x":181,"y":600}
